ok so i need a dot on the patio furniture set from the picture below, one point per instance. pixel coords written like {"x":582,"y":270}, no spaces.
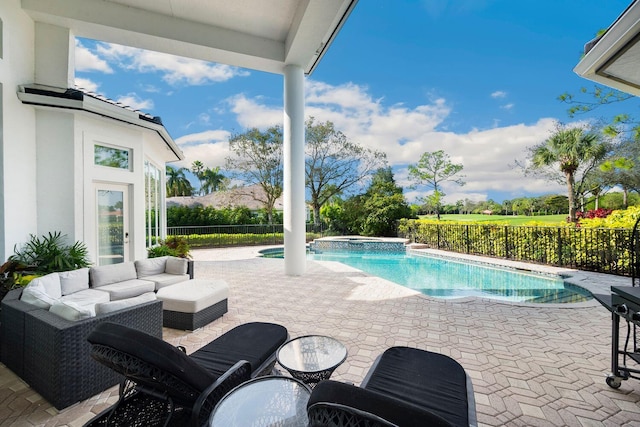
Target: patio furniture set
{"x":228,"y":383}
{"x":44,"y":327}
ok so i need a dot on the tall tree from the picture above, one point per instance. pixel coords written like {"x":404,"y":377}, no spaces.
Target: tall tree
{"x":572,"y":151}
{"x":197,"y":167}
{"x":622,"y":168}
{"x":384,"y":205}
{"x":334,"y":164}
{"x":177,"y":182}
{"x":213,"y":180}
{"x":257,"y":160}
{"x":432,"y":170}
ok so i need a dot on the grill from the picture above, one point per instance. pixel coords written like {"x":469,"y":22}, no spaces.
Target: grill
{"x":625,"y":304}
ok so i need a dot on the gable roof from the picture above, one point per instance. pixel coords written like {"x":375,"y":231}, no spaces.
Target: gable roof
{"x":75,"y":99}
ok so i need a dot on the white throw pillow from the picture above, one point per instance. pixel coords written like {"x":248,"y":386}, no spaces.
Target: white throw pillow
{"x":74,"y":281}
{"x":176,"y":265}
{"x":150,"y":266}
{"x":71,"y":311}
{"x":36,"y":294}
{"x":51,"y":284}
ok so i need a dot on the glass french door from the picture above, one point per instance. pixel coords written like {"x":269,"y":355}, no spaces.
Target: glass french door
{"x":112,"y":223}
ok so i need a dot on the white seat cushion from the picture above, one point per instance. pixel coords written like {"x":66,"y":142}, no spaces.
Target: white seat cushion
{"x":128,"y":288}
{"x":87,"y":297}
{"x":193,"y":296}
{"x":108,"y":307}
{"x":72,"y":311}
{"x":165,"y":279}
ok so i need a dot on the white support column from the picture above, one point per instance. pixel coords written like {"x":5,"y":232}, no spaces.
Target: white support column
{"x":294,"y":188}
{"x":55,"y":56}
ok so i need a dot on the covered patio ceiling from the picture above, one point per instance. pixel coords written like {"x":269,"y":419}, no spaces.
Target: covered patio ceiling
{"x":263,"y":35}
{"x":614,"y":58}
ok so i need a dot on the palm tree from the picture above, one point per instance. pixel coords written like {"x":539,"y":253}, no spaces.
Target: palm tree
{"x":177,"y":182}
{"x":212,"y":180}
{"x":197,"y":168}
{"x":570,"y":149}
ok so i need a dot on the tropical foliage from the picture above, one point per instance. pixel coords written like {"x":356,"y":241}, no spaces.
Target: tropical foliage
{"x":51,"y":253}
{"x":177,"y":182}
{"x":176,"y":246}
{"x":575,"y":153}
{"x":373,"y":213}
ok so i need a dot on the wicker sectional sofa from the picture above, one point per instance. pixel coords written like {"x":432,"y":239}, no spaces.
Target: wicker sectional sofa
{"x":51,"y":352}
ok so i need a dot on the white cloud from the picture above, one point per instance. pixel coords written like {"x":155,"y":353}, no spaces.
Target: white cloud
{"x":133,"y":101}
{"x":499,"y":94}
{"x":86,"y":84}
{"x":250,"y":113}
{"x":507,"y":106}
{"x":404,"y":133}
{"x":175,"y":70}
{"x":88,"y":61}
{"x":210,"y":147}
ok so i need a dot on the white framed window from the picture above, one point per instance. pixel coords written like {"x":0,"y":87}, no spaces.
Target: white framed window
{"x":112,"y":157}
{"x":153,"y":200}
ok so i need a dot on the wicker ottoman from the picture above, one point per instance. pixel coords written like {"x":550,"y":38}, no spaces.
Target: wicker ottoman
{"x":192,"y":304}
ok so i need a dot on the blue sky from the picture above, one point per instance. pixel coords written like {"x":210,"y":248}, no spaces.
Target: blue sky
{"x":478,"y":79}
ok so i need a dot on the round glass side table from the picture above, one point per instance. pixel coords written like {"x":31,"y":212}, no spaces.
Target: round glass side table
{"x":272,"y":401}
{"x":311,"y":358}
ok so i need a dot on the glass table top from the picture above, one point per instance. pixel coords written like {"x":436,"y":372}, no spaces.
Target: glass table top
{"x":263,"y":402}
{"x":312,"y":353}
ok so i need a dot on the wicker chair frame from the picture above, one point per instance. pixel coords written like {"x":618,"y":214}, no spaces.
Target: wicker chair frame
{"x":151,"y":396}
{"x":52,"y":354}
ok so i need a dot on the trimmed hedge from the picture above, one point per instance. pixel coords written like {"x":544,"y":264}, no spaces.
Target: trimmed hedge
{"x":237,"y":239}
{"x":605,"y":250}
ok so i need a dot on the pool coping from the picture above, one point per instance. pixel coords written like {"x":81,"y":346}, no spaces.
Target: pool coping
{"x":596,"y":283}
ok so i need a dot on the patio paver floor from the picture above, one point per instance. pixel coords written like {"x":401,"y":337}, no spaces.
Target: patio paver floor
{"x":530,"y":366}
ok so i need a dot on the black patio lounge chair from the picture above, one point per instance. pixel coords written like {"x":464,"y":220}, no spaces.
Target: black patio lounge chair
{"x":163,"y":386}
{"x":405,"y":387}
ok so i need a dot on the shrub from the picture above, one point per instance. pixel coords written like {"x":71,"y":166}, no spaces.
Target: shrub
{"x":173,"y":246}
{"x":51,"y":253}
{"x":593,"y":213}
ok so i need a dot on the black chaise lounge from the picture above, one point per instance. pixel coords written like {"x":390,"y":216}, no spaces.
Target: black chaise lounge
{"x":405,"y":387}
{"x":164,"y":386}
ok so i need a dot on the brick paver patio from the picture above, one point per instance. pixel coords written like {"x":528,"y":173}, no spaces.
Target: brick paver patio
{"x":531,"y":366}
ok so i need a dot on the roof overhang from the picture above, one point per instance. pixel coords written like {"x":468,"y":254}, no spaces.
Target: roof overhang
{"x":614,"y":58}
{"x":72,"y":99}
{"x":263,"y":35}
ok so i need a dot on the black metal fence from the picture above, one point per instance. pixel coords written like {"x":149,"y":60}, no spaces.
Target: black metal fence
{"x":238,"y":235}
{"x":603,"y":250}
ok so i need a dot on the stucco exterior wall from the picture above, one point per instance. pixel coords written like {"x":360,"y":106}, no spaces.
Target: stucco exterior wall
{"x":18,"y":205}
{"x":56,"y":173}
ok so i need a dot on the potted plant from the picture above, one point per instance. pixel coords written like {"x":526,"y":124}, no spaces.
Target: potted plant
{"x":10,"y":276}
{"x":173,"y":246}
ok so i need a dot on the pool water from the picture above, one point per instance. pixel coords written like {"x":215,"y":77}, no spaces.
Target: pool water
{"x":444,"y":278}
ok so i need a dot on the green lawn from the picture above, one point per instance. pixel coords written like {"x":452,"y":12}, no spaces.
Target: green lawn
{"x":511,"y":219}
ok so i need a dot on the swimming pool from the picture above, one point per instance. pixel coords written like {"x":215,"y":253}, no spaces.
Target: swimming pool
{"x":445,"y":278}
